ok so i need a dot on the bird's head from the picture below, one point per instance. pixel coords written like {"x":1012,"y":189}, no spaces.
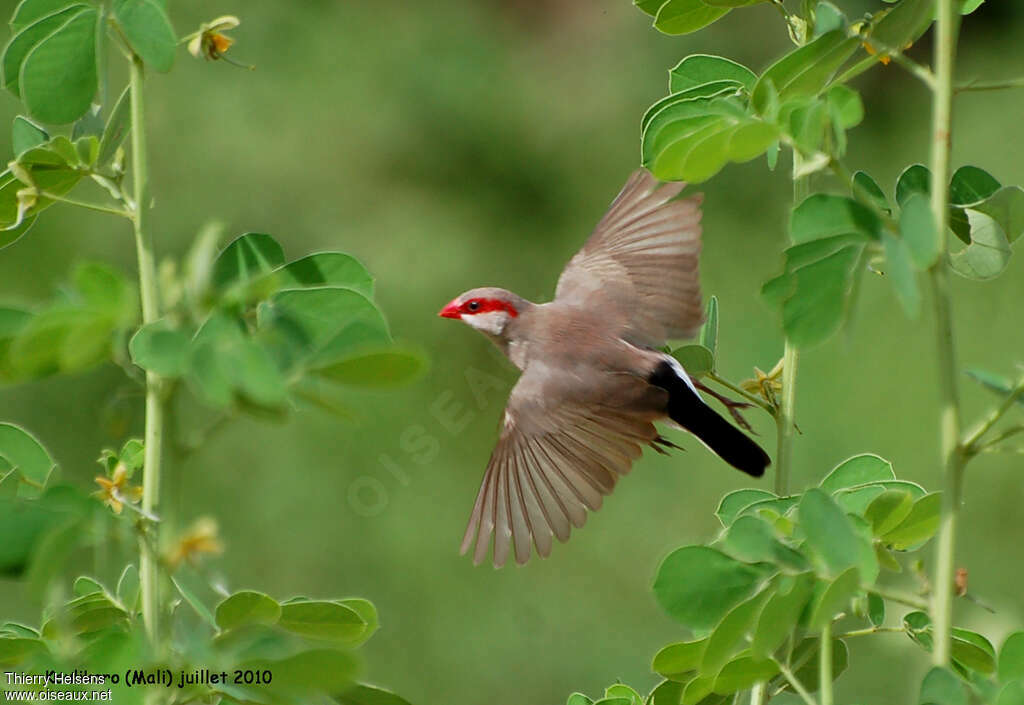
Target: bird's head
{"x":487,"y":309}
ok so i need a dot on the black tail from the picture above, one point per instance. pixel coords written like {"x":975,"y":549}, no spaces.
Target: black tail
{"x":688,"y":410}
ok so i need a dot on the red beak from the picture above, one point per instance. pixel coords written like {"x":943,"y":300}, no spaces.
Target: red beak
{"x":450,"y":311}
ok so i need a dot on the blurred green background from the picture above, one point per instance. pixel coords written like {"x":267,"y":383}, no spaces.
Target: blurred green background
{"x":458,"y":144}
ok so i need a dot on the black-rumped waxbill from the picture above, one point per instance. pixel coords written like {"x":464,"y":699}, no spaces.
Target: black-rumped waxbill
{"x":593,"y":378}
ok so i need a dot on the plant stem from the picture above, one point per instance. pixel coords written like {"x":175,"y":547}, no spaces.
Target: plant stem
{"x":900,"y":597}
{"x":970,"y":444}
{"x":148,"y":575}
{"x":797,"y":685}
{"x":785,"y":422}
{"x":990,"y":85}
{"x":742,"y":392}
{"x":85,"y":204}
{"x":871,"y":630}
{"x":825,"y":665}
{"x":952,"y":452}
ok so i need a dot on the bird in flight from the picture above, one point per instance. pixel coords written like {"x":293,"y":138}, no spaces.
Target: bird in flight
{"x":594,"y":379}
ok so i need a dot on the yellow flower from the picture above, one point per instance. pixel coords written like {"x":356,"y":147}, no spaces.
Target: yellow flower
{"x":767,"y":385}
{"x":200,"y":538}
{"x":209,"y":42}
{"x":115,"y":490}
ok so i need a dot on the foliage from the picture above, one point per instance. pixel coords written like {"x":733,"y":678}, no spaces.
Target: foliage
{"x":241,"y":327}
{"x":774,"y":599}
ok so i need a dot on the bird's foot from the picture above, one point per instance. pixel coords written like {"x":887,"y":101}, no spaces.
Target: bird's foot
{"x":731,"y":405}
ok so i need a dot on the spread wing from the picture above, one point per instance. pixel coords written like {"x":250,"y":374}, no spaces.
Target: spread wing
{"x":557,"y":457}
{"x":642,"y":259}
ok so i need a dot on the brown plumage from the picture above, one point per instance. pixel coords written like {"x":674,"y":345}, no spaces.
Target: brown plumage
{"x":593,"y":383}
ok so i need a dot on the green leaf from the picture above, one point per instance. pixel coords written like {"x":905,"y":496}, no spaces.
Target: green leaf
{"x":752,"y":540}
{"x":915,"y":179}
{"x":971,"y":185}
{"x":20,"y":650}
{"x":367,"y":612}
{"x":85,"y":585}
{"x":941,"y":687}
{"x":996,"y":383}
{"x":25,"y":135}
{"x":387,"y":367}
{"x":697,"y":360}
{"x":781,"y":612}
{"x":835,"y":598}
{"x":696,"y":691}
{"x":1006,"y":207}
{"x":888,"y":510}
{"x":1013,"y":692}
{"x":187,"y":585}
{"x":858,"y":470}
{"x":57,"y":79}
{"x":128,"y":588}
{"x":917,"y":227}
{"x":900,"y":271}
{"x":847,"y":106}
{"x":148,"y":30}
{"x":700,"y":69}
{"x":855,"y":500}
{"x":989,"y":252}
{"x":902,"y":25}
{"x":733,"y":3}
{"x":322,"y":620}
{"x":650,"y":7}
{"x":1011,"y":658}
{"x":973,"y":651}
{"x":665,"y":693}
{"x":686,"y":16}
{"x":807,"y":653}
{"x":731,"y":504}
{"x":698,"y":585}
{"x":744,"y":672}
{"x":25,"y":454}
{"x":871,"y":190}
{"x":824,"y":215}
{"x":28,"y":11}
{"x":248,"y":256}
{"x":321,"y":671}
{"x":247,"y":607}
{"x":116,"y":128}
{"x":831,"y":537}
{"x":365,"y":694}
{"x":827,"y":17}
{"x":324,"y":269}
{"x":920,"y":524}
{"x":806,"y":70}
{"x":750,"y":140}
{"x":623,"y":692}
{"x":678,"y":661}
{"x":969,"y":6}
{"x":709,"y":331}
{"x":722,"y":642}
{"x":815,"y":295}
{"x":159,"y":348}
{"x":876,"y":609}
{"x":27,"y":36}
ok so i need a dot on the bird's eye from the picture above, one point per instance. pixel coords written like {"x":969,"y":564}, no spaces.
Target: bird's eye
{"x":473,"y":305}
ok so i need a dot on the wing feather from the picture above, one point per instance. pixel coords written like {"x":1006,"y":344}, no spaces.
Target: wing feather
{"x":542,"y":478}
{"x":641,"y":261}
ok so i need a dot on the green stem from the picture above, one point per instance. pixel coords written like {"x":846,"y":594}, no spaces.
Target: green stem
{"x":947,"y":25}
{"x":786,"y":419}
{"x":916,"y":69}
{"x":900,"y":597}
{"x":148,"y":575}
{"x":825,"y":665}
{"x":970,"y":444}
{"x":85,"y":204}
{"x":990,"y":85}
{"x":742,"y":392}
{"x":797,"y":685}
{"x":869,"y":631}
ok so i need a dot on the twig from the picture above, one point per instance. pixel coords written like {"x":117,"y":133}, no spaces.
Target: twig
{"x":970,"y":444}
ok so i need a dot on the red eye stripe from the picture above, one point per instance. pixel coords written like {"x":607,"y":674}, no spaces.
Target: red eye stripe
{"x":488,"y":306}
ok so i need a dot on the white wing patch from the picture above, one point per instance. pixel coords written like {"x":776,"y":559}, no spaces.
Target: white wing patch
{"x":682,"y":374}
